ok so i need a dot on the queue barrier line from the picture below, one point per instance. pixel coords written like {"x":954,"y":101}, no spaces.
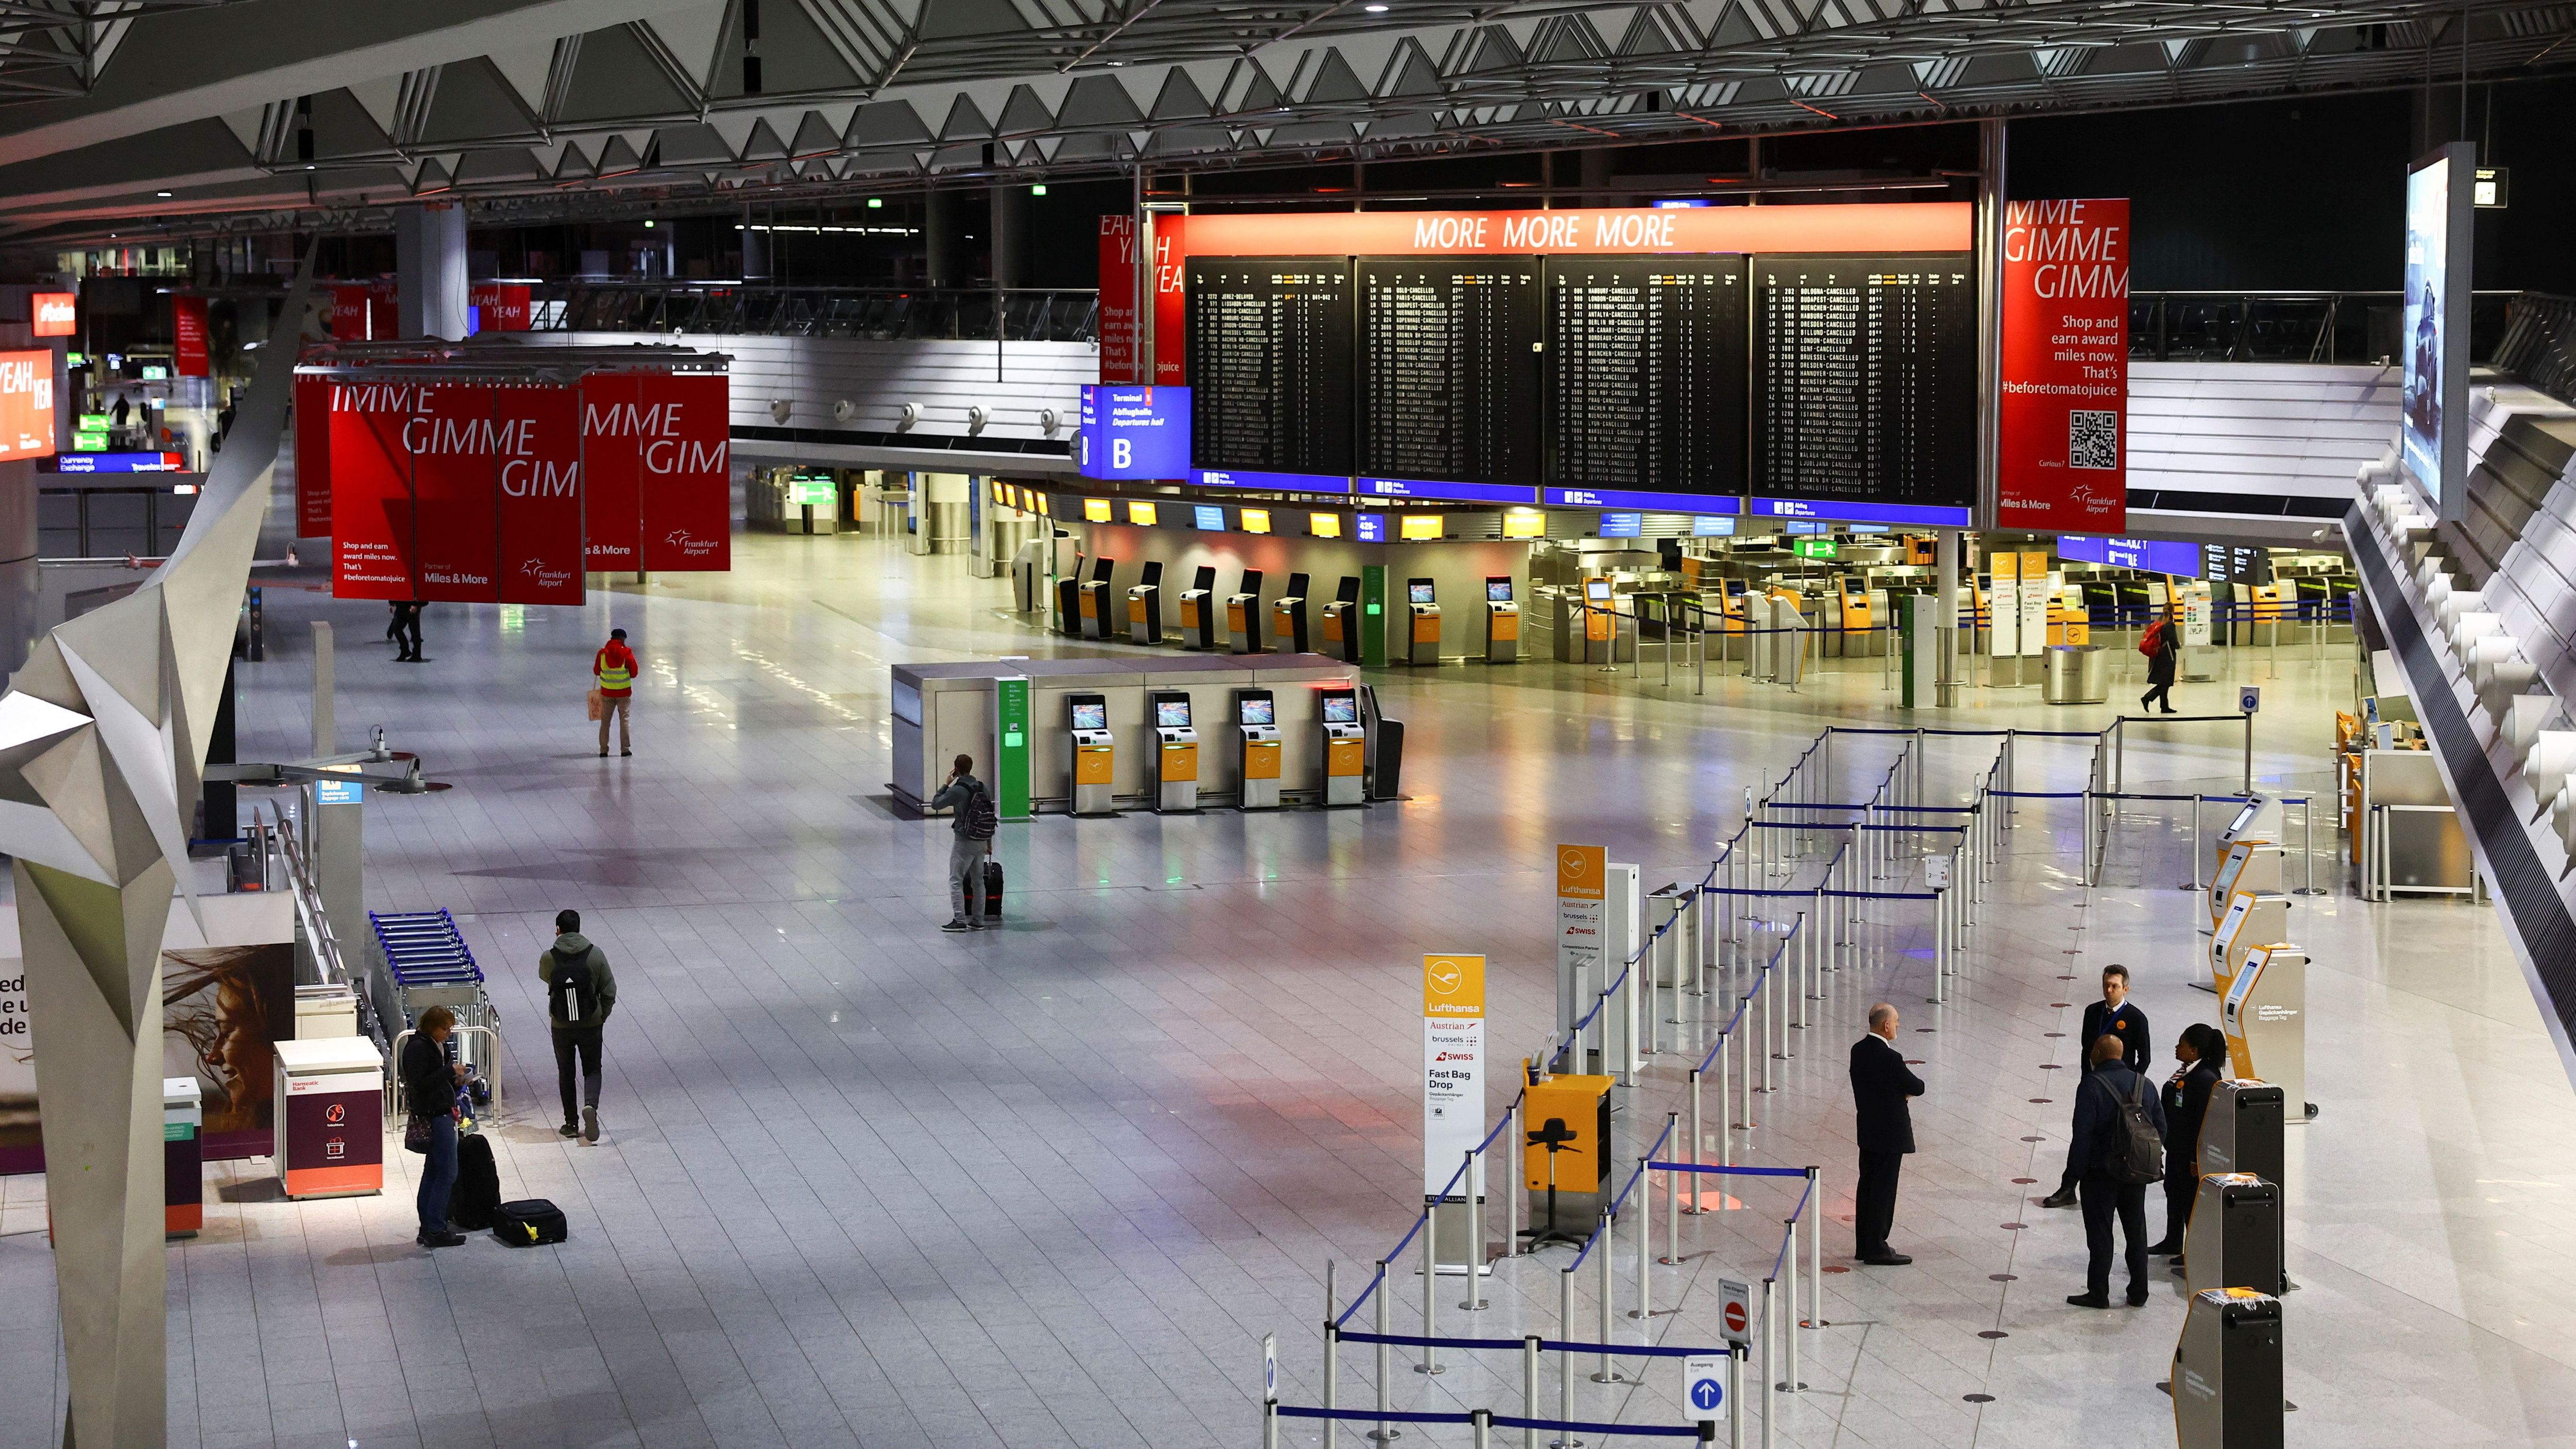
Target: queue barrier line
{"x":1710,"y":1167}
{"x":1587,"y":1426}
{"x":1388,"y":1416}
{"x":1499,"y":1421}
{"x":1515,"y":1345}
{"x":1788,"y":1231}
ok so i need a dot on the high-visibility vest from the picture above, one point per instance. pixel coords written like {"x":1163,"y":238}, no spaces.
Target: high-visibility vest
{"x":612,"y":676}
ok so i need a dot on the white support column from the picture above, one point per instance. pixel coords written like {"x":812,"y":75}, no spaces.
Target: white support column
{"x":429,"y":267}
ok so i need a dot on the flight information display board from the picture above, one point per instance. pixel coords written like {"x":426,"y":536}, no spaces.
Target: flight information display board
{"x":1865,"y":387}
{"x":1645,"y":379}
{"x":1449,"y":377}
{"x":1270,"y":342}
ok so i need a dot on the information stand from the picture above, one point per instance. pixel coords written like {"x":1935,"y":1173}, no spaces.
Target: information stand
{"x":330,"y":1117}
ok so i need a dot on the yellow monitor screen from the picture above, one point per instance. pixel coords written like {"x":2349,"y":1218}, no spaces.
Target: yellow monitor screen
{"x":1419,"y":526}
{"x":1255,"y":520}
{"x":1095,"y":510}
{"x":1525,"y":524}
{"x":1043,"y":506}
{"x":1011,"y":495}
{"x":1140,"y":513}
{"x":1324,"y":525}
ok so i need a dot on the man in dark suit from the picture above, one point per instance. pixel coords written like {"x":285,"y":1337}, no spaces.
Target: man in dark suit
{"x":2093,"y":1158}
{"x":1881,"y":1082}
{"x":2114,"y":1015}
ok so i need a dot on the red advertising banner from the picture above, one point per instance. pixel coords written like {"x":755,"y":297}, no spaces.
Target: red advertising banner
{"x":371,"y":511}
{"x":1169,"y":235}
{"x":54,"y":314}
{"x":499,"y":306}
{"x":312,"y":457}
{"x":27,"y":404}
{"x":456,"y":517}
{"x":612,"y":486}
{"x":688,"y":491}
{"x":188,"y":337}
{"x":538,"y":430}
{"x":2063,"y":435}
{"x":349,"y":312}
{"x":384,"y":315}
{"x":1864,"y":227}
{"x":1118,"y":299}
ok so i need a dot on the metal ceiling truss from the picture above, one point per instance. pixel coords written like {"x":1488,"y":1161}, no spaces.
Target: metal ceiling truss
{"x":890,"y":93}
{"x":51,"y":49}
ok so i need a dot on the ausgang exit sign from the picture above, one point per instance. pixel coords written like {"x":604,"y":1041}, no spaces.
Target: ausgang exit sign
{"x":1134,"y":432}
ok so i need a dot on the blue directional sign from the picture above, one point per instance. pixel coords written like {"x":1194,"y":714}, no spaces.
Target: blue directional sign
{"x":1706,"y":1395}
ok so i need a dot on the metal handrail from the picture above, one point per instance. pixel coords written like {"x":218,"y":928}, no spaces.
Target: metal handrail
{"x":760,"y":308}
{"x":2292,"y":326}
{"x":316,"y":925}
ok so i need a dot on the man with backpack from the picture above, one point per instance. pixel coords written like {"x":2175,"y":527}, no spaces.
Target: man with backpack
{"x":580,"y":993}
{"x":970,"y":842}
{"x":2118,"y":1150}
{"x":2114,"y":1015}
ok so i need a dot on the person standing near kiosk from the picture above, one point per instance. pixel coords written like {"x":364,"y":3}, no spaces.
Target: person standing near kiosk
{"x":970,"y":840}
{"x":2113,"y":1015}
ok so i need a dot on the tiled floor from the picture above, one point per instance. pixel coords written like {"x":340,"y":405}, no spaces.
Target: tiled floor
{"x":866,"y":1183}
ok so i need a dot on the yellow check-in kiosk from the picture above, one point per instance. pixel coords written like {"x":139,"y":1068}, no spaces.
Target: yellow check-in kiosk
{"x":1145,"y":607}
{"x":2254,"y":918}
{"x":1198,"y":611}
{"x":2265,"y":1016}
{"x":2248,"y":866}
{"x":1243,"y":621}
{"x":1422,"y":623}
{"x":1502,"y":621}
{"x":2070,"y":621}
{"x":2227,"y":1371}
{"x":1096,"y":618}
{"x":1095,"y":753}
{"x":2259,"y":818}
{"x":1600,"y":625}
{"x":1176,"y":752}
{"x":1565,"y":1156}
{"x":1288,"y":617}
{"x":1345,"y":746}
{"x":1856,"y":606}
{"x":1256,"y":729}
{"x":1342,"y":622}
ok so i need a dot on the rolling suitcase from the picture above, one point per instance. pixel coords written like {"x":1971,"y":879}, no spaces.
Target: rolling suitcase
{"x":992,"y":889}
{"x":529,"y":1222}
{"x":477,"y":1193}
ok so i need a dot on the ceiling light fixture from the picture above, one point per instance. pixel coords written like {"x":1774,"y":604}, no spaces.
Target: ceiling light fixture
{"x":1374,"y":9}
{"x":165,"y":196}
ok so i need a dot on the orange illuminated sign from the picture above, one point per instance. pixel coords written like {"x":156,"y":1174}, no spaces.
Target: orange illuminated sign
{"x":26,"y":404}
{"x":53,"y":313}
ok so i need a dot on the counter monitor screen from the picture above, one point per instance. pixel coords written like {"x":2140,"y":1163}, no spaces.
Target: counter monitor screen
{"x":1090,"y":716}
{"x":1341,"y":709}
{"x":1418,"y":592}
{"x":1255,"y":712}
{"x":1597,"y":590}
{"x":2244,"y":818}
{"x":1498,"y":591}
{"x":1171,"y":714}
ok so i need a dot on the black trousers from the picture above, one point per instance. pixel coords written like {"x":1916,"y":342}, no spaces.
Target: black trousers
{"x":2102,"y":1195}
{"x":584,"y":1040}
{"x":2158,"y":694}
{"x":2181,"y":1192}
{"x":1874,"y":1202}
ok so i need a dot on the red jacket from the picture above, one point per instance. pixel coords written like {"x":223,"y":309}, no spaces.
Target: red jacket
{"x":614,"y":655}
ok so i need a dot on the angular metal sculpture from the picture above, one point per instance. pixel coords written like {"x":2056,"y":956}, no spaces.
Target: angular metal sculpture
{"x":102,"y":746}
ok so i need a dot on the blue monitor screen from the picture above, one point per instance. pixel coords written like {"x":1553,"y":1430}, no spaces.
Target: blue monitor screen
{"x":1622,"y":525}
{"x":1210,"y":517}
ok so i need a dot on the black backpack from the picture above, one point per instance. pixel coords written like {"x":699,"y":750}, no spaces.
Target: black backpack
{"x":573,"y":998}
{"x":2138,"y":1152}
{"x":981,"y":818}
{"x":478,"y":1185}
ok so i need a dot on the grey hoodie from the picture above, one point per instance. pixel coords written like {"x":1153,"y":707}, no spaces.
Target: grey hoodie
{"x":603,"y":980}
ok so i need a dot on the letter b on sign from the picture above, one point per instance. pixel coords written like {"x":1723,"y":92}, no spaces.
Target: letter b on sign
{"x":1122,"y":453}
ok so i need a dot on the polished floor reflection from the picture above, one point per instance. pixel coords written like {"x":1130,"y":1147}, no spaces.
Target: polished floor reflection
{"x":864,"y":1183}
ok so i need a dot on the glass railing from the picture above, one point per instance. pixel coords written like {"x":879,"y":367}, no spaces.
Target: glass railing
{"x":2539,"y":345}
{"x":2343,"y":327}
{"x":760,"y":309}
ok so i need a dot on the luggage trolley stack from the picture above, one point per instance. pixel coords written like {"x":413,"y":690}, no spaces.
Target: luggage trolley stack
{"x":432,"y":967}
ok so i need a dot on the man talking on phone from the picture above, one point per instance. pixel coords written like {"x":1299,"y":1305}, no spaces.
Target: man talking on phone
{"x":970,"y":841}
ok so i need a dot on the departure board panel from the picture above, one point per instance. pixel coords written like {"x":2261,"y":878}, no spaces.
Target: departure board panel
{"x":1645,"y":374}
{"x":1271,"y":383}
{"x":1865,"y":383}
{"x":1449,"y":372}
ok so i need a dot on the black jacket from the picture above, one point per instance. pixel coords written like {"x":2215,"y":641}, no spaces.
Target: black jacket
{"x":1880,"y":1084}
{"x":2128,"y":1024}
{"x":2186,"y":1104}
{"x":428,"y":1086}
{"x":2098,"y":1100}
{"x":2160,"y":665}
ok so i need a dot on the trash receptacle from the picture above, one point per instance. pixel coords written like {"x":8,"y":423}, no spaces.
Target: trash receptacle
{"x":2076,"y":674}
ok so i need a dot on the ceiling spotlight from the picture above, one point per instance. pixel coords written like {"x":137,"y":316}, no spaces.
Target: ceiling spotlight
{"x":1374,"y":9}
{"x":164,"y":195}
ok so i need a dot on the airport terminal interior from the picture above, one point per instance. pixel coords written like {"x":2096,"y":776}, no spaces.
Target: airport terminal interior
{"x":1582,"y":633}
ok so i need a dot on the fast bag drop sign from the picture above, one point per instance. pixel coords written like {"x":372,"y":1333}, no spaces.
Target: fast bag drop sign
{"x":539,"y":434}
{"x":2062,"y":456}
{"x":685,"y":447}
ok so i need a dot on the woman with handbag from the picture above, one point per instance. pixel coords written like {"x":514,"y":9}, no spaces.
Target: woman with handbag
{"x":429,"y":1097}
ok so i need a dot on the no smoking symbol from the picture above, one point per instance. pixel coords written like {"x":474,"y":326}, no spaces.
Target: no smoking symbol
{"x":1706,"y":1394}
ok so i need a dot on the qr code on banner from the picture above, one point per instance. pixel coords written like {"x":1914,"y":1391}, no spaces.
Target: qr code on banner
{"x":2092,"y":440}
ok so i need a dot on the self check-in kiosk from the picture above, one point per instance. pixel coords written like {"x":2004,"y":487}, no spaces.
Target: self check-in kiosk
{"x":1176,"y":752}
{"x":2249,"y":867}
{"x":2253,"y":919}
{"x":1345,"y":746}
{"x":1422,"y":623}
{"x":1502,"y":621}
{"x":1600,"y":625}
{"x":1288,"y":617}
{"x":1243,"y":622}
{"x":1198,"y":611}
{"x":1342,"y":622}
{"x":2265,"y":1016}
{"x":1145,"y":607}
{"x":1068,"y":604}
{"x":1095,"y":753}
{"x":2259,"y":819}
{"x":1096,"y":617}
{"x":2227,"y":1371}
{"x":1256,"y":726}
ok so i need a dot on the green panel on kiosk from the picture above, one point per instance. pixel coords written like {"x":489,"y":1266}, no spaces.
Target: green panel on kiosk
{"x":1373,"y":616}
{"x":1011,"y":747}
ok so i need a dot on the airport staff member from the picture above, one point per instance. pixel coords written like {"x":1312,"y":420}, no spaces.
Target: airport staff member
{"x":2201,"y":1053}
{"x":580,"y":993}
{"x":2113,"y":1015}
{"x":1881,"y":1083}
{"x":967,"y":849}
{"x":613,"y":667}
{"x":2101,"y":1140}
